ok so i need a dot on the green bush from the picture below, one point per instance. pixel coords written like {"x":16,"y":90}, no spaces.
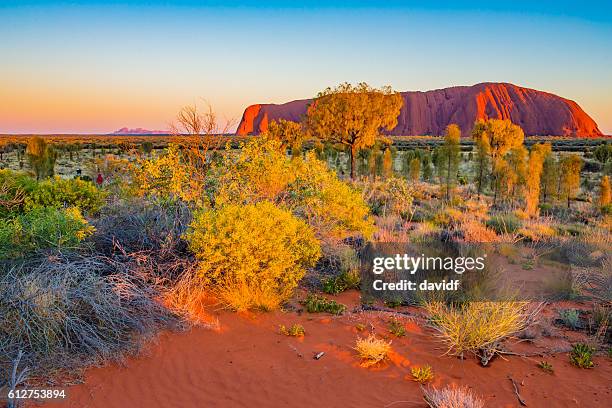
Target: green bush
{"x":42,"y":228}
{"x":252,"y":256}
{"x":582,"y":355}
{"x":20,"y":193}
{"x":504,"y":224}
{"x":320,"y":304}
{"x":60,"y":193}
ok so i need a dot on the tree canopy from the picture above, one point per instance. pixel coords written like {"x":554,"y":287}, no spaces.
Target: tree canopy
{"x":353,"y":115}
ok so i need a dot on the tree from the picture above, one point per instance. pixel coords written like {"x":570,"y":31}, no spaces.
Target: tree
{"x":414,"y":169}
{"x":539,"y":153}
{"x":41,"y":157}
{"x":290,"y":134}
{"x":550,"y":178}
{"x":387,"y":163}
{"x":517,"y":161}
{"x":353,"y":116}
{"x":569,"y":169}
{"x":604,"y":191}
{"x":501,"y":136}
{"x":448,"y":159}
{"x":483,"y":151}
{"x":603,"y":153}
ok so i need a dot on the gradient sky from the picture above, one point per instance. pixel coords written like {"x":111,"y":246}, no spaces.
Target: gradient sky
{"x":91,"y":67}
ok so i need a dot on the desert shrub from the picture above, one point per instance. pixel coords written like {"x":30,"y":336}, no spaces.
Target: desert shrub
{"x":139,"y":225}
{"x":586,"y":250}
{"x":296,"y":330}
{"x":570,"y":318}
{"x":536,"y":232}
{"x":42,"y":228}
{"x":60,"y":193}
{"x":599,"y":281}
{"x":175,"y":175}
{"x":425,"y":232}
{"x":393,"y":196}
{"x":546,"y":367}
{"x":14,"y":187}
{"x":504,"y":223}
{"x":448,"y":217}
{"x":475,"y":232}
{"x":371,"y":350}
{"x":67,"y":312}
{"x":396,"y":328}
{"x":337,"y":284}
{"x":451,"y":397}
{"x":305,"y":186}
{"x":252,"y":256}
{"x":479,"y":327}
{"x":320,"y":304}
{"x":567,"y":286}
{"x":582,"y":355}
{"x":423,"y":374}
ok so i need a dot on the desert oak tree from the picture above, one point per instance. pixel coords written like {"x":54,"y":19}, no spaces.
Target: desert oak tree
{"x":353,"y":116}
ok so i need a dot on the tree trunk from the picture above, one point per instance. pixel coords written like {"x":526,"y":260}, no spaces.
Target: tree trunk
{"x":353,"y":155}
{"x":448,"y":176}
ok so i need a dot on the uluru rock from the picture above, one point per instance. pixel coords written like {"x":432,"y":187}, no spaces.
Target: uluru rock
{"x":428,"y":113}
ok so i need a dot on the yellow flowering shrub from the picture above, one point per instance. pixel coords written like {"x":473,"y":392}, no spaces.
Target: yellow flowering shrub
{"x":252,"y":256}
{"x":171,"y":176}
{"x":305,"y":186}
{"x":391,"y":196}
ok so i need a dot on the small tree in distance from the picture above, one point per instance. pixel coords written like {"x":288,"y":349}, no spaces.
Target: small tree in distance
{"x":41,"y":157}
{"x":448,"y":159}
{"x":353,"y":116}
{"x":604,"y":191}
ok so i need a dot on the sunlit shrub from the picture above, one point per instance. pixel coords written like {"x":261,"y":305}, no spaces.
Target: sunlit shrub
{"x":423,"y":374}
{"x":478,"y":327}
{"x":393,"y":196}
{"x":451,"y":397}
{"x":371,"y":350}
{"x":171,"y":176}
{"x":42,"y":228}
{"x":475,"y":232}
{"x":448,"y":217}
{"x":305,"y":186}
{"x":319,"y":304}
{"x":295,"y":330}
{"x":582,"y":355}
{"x":536,"y":232}
{"x":252,"y":256}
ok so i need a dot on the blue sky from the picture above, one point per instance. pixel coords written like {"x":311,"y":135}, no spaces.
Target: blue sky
{"x":93,"y":67}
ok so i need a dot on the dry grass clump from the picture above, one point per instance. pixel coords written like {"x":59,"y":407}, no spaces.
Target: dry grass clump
{"x":451,"y":397}
{"x":65,"y":311}
{"x":475,"y":232}
{"x":423,"y":374}
{"x":372,"y":350}
{"x":479,"y":327}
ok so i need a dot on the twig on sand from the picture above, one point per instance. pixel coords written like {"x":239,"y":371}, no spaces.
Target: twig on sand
{"x":516,"y":392}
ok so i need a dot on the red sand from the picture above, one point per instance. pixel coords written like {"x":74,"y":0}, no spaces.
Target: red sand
{"x":246,"y":363}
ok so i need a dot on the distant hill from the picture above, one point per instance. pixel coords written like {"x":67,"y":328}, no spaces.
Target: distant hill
{"x":428,"y":113}
{"x":139,"y":131}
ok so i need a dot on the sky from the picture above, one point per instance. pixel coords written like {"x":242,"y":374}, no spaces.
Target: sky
{"x":94,"y":67}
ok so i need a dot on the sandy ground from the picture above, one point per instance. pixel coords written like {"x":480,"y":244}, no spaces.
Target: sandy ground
{"x":244,"y":362}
